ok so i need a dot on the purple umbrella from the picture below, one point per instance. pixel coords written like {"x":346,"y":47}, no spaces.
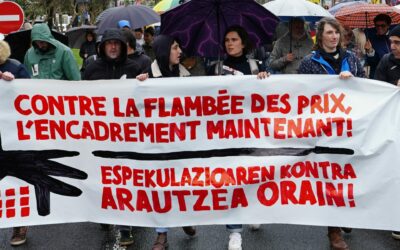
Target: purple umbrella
{"x":199,"y":25}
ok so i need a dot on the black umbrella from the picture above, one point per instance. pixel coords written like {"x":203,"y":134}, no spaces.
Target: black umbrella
{"x":138,"y":16}
{"x":77,"y":35}
{"x":20,"y":42}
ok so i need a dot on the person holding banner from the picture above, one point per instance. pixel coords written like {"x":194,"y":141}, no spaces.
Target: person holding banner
{"x":9,"y":70}
{"x":237,"y":46}
{"x":7,"y":76}
{"x":330,"y":58}
{"x":113,"y":63}
{"x":168,"y":54}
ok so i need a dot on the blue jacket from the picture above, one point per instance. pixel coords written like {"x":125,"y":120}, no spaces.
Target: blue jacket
{"x":315,"y":64}
{"x":15,"y":67}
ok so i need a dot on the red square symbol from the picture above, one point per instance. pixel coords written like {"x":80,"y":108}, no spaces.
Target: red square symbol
{"x":10,"y":192}
{"x":25,"y":211}
{"x":24,"y":201}
{"x":1,"y":213}
{"x":1,"y":203}
{"x":10,"y":203}
{"x":10,"y":213}
{"x":24,"y":190}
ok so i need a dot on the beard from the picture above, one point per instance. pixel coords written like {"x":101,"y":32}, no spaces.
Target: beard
{"x":44,"y":49}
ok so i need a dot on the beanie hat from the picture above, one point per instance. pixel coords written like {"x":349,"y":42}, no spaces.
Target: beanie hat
{"x":395,"y":31}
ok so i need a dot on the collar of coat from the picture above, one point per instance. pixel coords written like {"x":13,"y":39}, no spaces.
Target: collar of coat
{"x":155,"y":70}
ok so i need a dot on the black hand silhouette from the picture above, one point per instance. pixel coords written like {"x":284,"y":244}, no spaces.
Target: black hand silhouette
{"x":35,"y":167}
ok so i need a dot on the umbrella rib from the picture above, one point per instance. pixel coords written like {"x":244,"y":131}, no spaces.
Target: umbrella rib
{"x":114,"y":14}
{"x":255,"y":25}
{"x":201,"y":21}
{"x":204,"y":21}
{"x":193,"y":22}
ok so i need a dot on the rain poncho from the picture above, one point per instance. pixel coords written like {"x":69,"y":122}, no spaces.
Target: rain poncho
{"x":56,"y":63}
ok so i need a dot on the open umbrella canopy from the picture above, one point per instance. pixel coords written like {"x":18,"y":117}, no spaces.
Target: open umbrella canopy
{"x":20,"y":42}
{"x":165,"y":5}
{"x":303,"y":9}
{"x":338,"y":6}
{"x":77,"y":35}
{"x":199,"y":25}
{"x":138,"y":16}
{"x":362,"y":16}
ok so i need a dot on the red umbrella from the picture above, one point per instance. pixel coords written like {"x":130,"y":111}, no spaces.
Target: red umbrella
{"x":362,"y":15}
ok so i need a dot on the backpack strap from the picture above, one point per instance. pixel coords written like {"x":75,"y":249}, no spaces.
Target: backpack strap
{"x":218,"y":67}
{"x":253,"y":66}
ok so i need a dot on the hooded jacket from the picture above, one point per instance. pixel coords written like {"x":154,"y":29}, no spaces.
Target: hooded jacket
{"x":160,"y":67}
{"x":11,"y":65}
{"x":107,"y":68}
{"x":56,"y":63}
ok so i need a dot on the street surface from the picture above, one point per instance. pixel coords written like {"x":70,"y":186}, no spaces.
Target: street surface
{"x":83,"y":236}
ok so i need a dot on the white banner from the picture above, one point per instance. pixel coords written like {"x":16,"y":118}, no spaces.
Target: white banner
{"x":296,"y":149}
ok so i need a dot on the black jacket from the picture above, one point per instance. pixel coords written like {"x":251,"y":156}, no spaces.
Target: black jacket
{"x":106,"y":68}
{"x":388,"y":69}
{"x":88,"y":48}
{"x":142,"y":60}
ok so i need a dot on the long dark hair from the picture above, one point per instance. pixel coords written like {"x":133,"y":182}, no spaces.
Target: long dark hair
{"x":244,"y":36}
{"x":320,"y":30}
{"x":162,"y":49}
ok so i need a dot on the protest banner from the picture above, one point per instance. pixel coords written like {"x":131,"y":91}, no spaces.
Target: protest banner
{"x":296,"y":149}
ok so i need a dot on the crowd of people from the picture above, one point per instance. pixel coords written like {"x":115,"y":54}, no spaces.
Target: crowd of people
{"x":122,"y":53}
